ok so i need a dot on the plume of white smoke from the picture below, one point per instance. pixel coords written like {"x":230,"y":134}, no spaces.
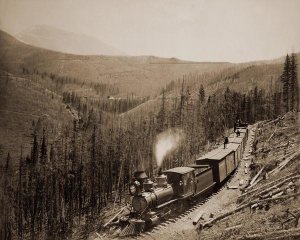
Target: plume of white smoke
{"x":166,"y":142}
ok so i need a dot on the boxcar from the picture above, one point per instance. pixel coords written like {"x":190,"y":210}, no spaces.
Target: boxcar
{"x":237,"y":152}
{"x":204,"y":181}
{"x":222,"y":162}
{"x":243,"y":130}
{"x":238,"y":139}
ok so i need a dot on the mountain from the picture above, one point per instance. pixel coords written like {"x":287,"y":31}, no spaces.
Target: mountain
{"x":63,"y":41}
{"x":141,"y":75}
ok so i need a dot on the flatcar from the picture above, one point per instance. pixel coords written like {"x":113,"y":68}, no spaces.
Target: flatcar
{"x":153,"y":201}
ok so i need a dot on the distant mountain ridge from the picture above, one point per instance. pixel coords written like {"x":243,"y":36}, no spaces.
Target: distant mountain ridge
{"x":139,"y":75}
{"x":52,"y":38}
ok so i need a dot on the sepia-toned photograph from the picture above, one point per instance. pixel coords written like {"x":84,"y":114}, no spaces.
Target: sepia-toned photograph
{"x":149,"y":119}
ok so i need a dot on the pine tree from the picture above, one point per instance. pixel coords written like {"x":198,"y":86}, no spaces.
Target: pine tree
{"x":34,"y":151}
{"x":242,"y":114}
{"x":285,"y":79}
{"x":248,"y":104}
{"x":93,"y":171}
{"x":8,"y":160}
{"x":181,"y":104}
{"x":255,"y":105}
{"x":43,"y":156}
{"x":20,"y":200}
{"x":162,"y":113}
{"x":293,"y":87}
{"x":200,"y":106}
{"x":201,"y":94}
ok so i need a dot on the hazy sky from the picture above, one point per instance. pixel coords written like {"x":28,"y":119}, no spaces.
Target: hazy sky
{"x":211,"y":30}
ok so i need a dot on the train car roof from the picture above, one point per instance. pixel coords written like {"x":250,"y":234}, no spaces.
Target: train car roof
{"x":232,"y":135}
{"x":217,"y":154}
{"x":244,"y":126}
{"x":234,"y":139}
{"x":242,"y":134}
{"x":242,"y":130}
{"x":199,"y":166}
{"x":233,"y":146}
{"x":180,"y":170}
{"x":222,"y":154}
{"x":210,"y":154}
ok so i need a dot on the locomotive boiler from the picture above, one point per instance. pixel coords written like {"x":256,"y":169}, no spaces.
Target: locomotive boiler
{"x":147,"y":194}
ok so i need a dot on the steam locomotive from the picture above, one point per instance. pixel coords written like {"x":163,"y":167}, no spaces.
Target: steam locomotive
{"x":175,"y":188}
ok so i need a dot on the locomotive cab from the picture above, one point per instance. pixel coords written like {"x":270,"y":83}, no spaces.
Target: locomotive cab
{"x":182,"y":180}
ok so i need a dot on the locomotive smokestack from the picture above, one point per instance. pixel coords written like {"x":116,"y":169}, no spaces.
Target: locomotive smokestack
{"x":161,"y":179}
{"x":159,"y":172}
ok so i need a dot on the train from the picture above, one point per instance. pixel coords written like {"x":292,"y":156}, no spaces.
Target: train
{"x":174,"y":189}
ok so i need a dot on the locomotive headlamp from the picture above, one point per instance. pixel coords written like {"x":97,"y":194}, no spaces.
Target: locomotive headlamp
{"x":134,"y":188}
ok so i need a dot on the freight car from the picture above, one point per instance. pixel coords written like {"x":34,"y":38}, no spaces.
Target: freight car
{"x":222,"y":162}
{"x":175,"y":188}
